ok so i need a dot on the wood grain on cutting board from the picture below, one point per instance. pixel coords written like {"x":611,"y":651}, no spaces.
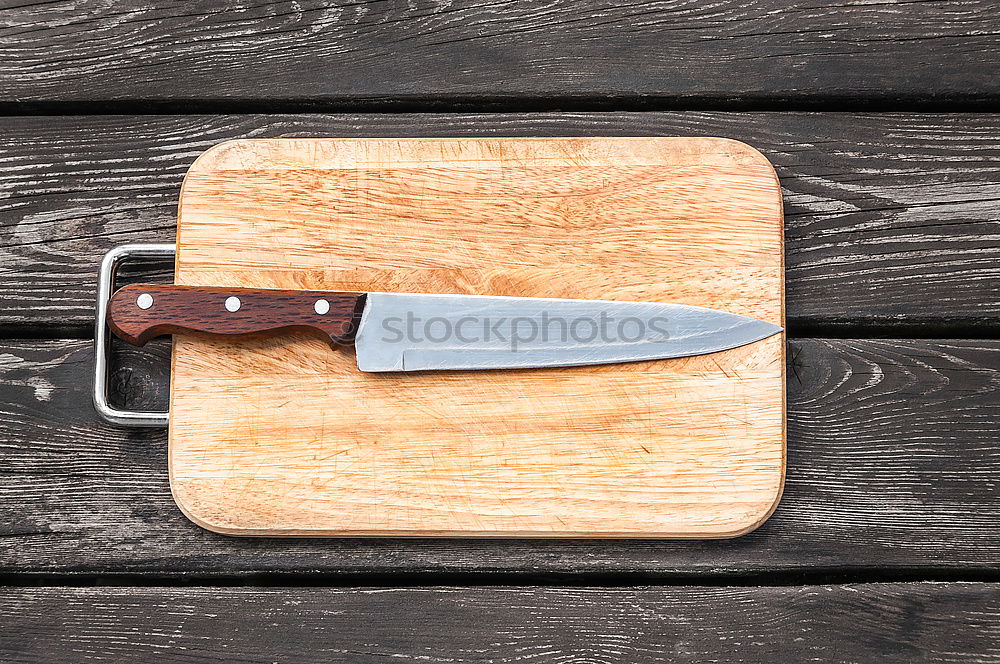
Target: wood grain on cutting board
{"x":288,"y":437}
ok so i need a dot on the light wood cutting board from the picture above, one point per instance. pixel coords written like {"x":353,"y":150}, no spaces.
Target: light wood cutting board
{"x":288,"y":437}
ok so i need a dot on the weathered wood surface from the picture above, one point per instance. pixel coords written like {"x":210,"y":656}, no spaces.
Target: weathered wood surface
{"x":891,"y":229}
{"x":891,"y":220}
{"x":879,"y":622}
{"x":892,"y":463}
{"x":473,"y":53}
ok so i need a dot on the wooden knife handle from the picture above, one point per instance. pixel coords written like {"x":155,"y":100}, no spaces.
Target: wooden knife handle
{"x":139,"y":312}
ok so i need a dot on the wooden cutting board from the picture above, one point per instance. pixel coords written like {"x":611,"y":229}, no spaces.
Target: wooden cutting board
{"x":288,"y":437}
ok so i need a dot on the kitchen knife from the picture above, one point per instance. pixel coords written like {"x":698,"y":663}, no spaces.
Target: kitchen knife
{"x":419,"y":332}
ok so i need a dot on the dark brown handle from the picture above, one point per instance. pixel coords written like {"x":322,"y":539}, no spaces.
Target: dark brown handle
{"x":140,"y":312}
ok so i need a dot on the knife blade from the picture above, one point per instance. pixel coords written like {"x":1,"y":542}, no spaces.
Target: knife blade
{"x":427,"y":332}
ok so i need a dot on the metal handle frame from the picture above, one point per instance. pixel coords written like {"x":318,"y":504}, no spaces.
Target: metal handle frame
{"x":102,"y":340}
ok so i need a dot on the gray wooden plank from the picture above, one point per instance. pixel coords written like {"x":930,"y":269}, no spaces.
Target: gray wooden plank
{"x":892,"y":464}
{"x":891,"y":623}
{"x":468,"y":52}
{"x":891,"y":219}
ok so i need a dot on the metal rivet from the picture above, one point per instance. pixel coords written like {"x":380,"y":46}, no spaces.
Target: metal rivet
{"x":322,"y":307}
{"x":233,"y":303}
{"x":144,"y":301}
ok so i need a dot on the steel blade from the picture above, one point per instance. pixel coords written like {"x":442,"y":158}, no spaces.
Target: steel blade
{"x":420,"y":332}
